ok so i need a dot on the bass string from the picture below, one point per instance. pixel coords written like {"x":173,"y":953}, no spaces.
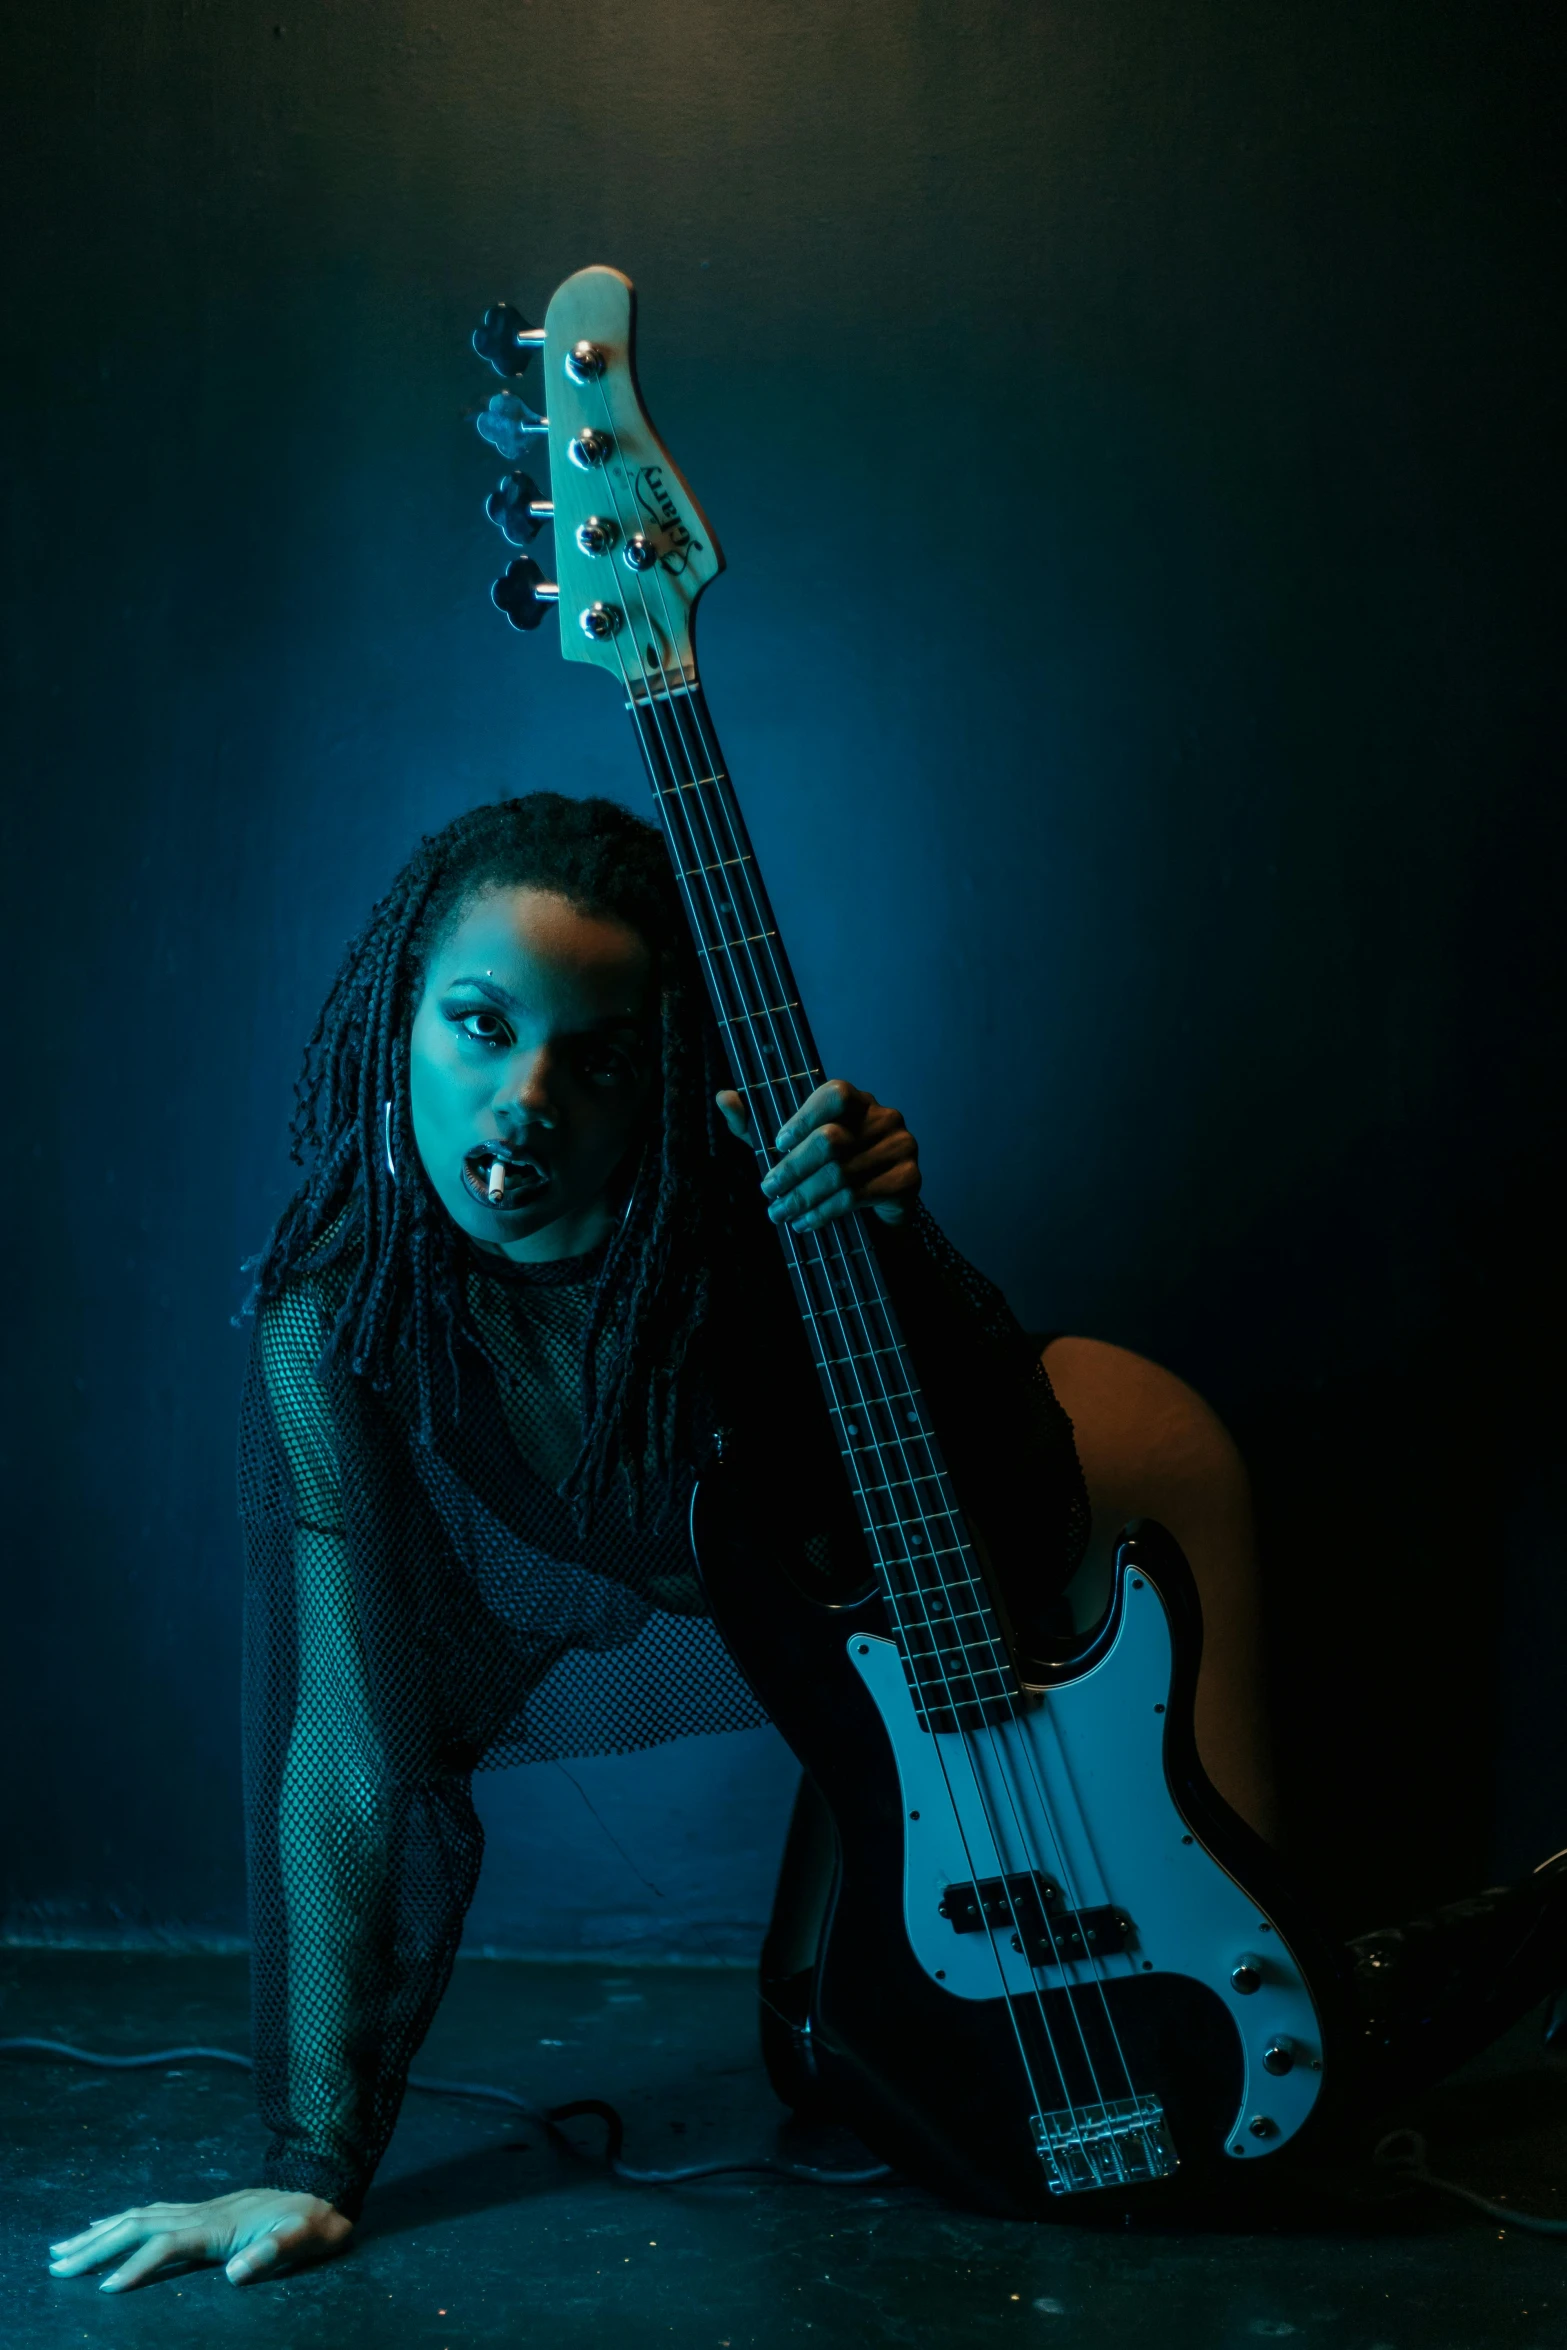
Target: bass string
{"x":1091,"y":1959}
{"x":679,"y":826}
{"x":744,"y":866}
{"x":766,"y":932}
{"x":743,"y":863}
{"x":975,"y":1590}
{"x":1004,"y":1775}
{"x":1005,"y":1989}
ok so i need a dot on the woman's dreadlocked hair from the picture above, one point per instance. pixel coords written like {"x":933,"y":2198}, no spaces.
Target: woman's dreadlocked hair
{"x":407,"y":1285}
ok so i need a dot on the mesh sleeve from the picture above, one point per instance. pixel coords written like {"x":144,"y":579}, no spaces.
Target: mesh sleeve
{"x":363,"y":1850}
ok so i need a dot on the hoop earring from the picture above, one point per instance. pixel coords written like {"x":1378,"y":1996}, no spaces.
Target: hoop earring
{"x":631,"y":1195}
{"x":386,"y":1128}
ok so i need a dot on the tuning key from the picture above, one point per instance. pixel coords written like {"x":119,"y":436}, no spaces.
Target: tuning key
{"x":506,"y":339}
{"x":522,"y":592}
{"x":509,"y":424}
{"x":516,"y":509}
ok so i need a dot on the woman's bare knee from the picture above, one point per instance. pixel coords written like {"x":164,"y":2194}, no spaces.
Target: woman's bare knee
{"x":1151,"y":1447}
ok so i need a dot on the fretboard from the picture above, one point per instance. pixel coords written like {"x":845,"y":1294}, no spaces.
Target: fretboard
{"x":937,"y":1601}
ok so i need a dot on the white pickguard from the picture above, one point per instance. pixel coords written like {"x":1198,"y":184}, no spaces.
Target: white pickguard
{"x":1075,"y":1789}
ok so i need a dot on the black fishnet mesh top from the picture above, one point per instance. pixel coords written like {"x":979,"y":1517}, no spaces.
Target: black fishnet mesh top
{"x":417,"y":1610}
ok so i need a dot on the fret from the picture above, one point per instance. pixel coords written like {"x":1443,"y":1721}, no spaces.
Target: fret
{"x":899,"y":1395}
{"x":989,"y":1713}
{"x":810,"y":1077}
{"x":963,"y":1709}
{"x":927,"y":1518}
{"x":946,"y":1586}
{"x":928,"y":1624}
{"x":727,"y":946}
{"x":928,"y":1596}
{"x":756,"y":1084}
{"x":915,"y":1544}
{"x":690,"y":872}
{"x":954,"y":1668}
{"x":956,"y":1550}
{"x":971,"y":1672}
{"x":925,"y":1644}
{"x":923,"y":1614}
{"x":924,"y":1596}
{"x":768,"y":1012}
{"x":937,"y":1605}
{"x":868,"y":1354}
{"x":905,"y":1484}
{"x":697,"y":783}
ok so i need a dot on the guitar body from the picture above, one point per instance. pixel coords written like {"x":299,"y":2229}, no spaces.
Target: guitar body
{"x":900,"y":2028}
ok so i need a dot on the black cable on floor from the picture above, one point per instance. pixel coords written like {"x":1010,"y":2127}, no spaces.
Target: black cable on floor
{"x":548,"y":2118}
{"x":1403,"y":2152}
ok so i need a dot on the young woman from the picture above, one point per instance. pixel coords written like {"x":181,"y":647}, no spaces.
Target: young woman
{"x":525,"y":1288}
{"x":527,"y":1280}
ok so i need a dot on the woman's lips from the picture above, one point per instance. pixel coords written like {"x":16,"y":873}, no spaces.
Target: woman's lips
{"x":502,"y":1179}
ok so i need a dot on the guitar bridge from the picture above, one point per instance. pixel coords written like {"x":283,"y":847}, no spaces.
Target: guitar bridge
{"x":1117,"y":2145}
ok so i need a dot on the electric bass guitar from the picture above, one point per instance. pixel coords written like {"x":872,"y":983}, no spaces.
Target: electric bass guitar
{"x":1054,"y":1962}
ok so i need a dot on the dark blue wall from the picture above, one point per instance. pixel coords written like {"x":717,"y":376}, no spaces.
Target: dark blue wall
{"x":1129,"y":427}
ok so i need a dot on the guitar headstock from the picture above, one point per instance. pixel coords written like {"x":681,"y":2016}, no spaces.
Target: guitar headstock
{"x":633,"y":549}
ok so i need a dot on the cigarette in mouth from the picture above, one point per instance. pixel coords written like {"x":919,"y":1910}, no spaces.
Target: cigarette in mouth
{"x":497,"y":1185}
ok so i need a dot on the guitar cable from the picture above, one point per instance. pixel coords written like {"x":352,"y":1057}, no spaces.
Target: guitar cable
{"x":1402,"y":2153}
{"x":548,"y":2118}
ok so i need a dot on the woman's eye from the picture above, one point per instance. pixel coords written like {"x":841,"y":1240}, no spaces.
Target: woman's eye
{"x":600,"y":1065}
{"x":484,"y":1027}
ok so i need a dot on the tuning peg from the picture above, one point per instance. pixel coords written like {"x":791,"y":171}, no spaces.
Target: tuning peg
{"x":516,"y":509}
{"x":509,"y":424}
{"x":506,"y":339}
{"x":522,"y":592}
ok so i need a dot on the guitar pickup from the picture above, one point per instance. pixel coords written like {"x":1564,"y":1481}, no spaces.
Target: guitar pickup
{"x":1030,"y":1912}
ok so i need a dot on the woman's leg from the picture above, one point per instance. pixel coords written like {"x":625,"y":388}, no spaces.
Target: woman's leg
{"x":1151,"y":1448}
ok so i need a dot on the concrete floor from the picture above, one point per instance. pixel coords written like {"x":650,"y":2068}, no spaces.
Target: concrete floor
{"x":476,"y":2234}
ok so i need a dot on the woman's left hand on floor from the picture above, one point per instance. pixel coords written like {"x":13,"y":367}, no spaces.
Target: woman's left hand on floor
{"x":842,"y":1149}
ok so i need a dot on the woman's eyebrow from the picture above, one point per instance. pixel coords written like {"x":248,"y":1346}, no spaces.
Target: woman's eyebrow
{"x":487,"y":987}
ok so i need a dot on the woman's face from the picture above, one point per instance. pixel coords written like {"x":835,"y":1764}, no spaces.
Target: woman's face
{"x":534,"y":1047}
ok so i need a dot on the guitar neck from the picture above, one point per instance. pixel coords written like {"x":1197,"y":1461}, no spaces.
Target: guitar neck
{"x":937,"y":1600}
